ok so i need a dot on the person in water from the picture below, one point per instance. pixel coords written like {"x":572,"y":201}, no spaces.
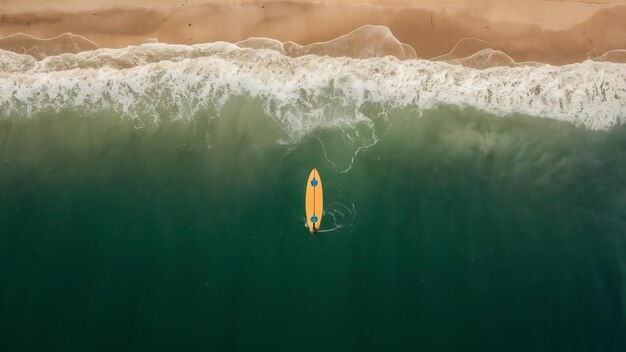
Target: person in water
{"x":313,"y":222}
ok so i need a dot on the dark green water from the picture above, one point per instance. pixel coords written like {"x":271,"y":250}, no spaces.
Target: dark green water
{"x":456,"y":231}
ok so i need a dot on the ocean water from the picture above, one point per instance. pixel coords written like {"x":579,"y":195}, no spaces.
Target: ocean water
{"x":152,"y":198}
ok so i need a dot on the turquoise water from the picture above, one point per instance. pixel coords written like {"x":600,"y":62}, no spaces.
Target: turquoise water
{"x":447,"y":227}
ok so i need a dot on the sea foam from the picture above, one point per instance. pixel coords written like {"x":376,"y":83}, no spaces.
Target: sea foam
{"x":301,"y":93}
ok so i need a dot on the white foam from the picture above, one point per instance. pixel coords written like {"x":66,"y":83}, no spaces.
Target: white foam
{"x":13,"y":62}
{"x":303,"y":93}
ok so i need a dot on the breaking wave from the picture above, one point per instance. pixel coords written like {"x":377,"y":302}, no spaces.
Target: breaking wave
{"x":155,"y":81}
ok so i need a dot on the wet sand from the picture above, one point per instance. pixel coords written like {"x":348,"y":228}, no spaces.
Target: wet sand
{"x":555,"y":32}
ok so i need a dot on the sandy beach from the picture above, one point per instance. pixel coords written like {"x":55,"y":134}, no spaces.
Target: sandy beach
{"x":555,"y":32}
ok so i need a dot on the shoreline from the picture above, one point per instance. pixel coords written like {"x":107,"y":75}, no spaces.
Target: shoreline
{"x":431,"y":33}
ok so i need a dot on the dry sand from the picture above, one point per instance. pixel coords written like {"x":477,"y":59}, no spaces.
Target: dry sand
{"x":556,"y":32}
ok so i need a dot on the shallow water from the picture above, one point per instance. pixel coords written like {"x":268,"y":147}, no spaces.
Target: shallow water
{"x":448,"y":228}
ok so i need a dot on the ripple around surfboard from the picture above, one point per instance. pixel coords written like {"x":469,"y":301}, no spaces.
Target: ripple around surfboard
{"x":314,"y":200}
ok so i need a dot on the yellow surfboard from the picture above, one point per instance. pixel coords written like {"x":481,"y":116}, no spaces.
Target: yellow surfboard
{"x":314,"y":202}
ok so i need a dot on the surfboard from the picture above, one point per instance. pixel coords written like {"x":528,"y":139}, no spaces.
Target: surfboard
{"x":314,"y":202}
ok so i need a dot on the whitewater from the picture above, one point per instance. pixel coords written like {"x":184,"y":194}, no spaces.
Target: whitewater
{"x":152,"y":82}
